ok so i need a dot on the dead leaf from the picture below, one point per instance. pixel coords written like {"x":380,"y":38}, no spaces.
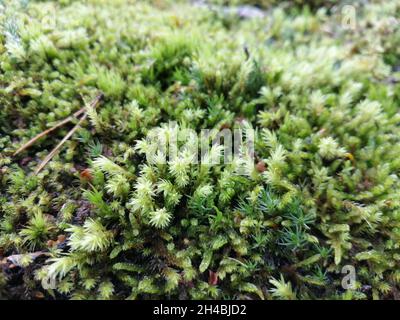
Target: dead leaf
{"x":212,"y":278}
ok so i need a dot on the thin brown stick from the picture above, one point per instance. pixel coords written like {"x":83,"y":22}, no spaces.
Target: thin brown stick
{"x":46,"y":132}
{"x":57,"y":148}
{"x":53,"y":152}
{"x":58,"y":125}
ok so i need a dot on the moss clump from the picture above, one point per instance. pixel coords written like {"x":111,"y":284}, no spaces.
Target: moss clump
{"x":322,"y":192}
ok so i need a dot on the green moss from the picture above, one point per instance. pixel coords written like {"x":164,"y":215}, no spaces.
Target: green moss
{"x":323,"y":192}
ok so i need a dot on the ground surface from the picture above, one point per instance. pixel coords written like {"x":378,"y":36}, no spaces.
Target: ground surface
{"x":319,"y":84}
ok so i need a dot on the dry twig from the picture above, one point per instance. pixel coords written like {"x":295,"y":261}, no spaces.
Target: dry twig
{"x":46,"y":132}
{"x":94,"y":104}
{"x":55,"y":150}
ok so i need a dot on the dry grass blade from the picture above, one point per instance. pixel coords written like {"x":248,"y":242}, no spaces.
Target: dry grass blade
{"x":94,"y":103}
{"x":58,"y":125}
{"x":55,"y":150}
{"x":46,"y":132}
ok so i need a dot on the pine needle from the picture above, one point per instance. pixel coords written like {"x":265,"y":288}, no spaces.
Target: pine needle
{"x":94,"y":103}
{"x":55,"y":150}
{"x":46,"y":132}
